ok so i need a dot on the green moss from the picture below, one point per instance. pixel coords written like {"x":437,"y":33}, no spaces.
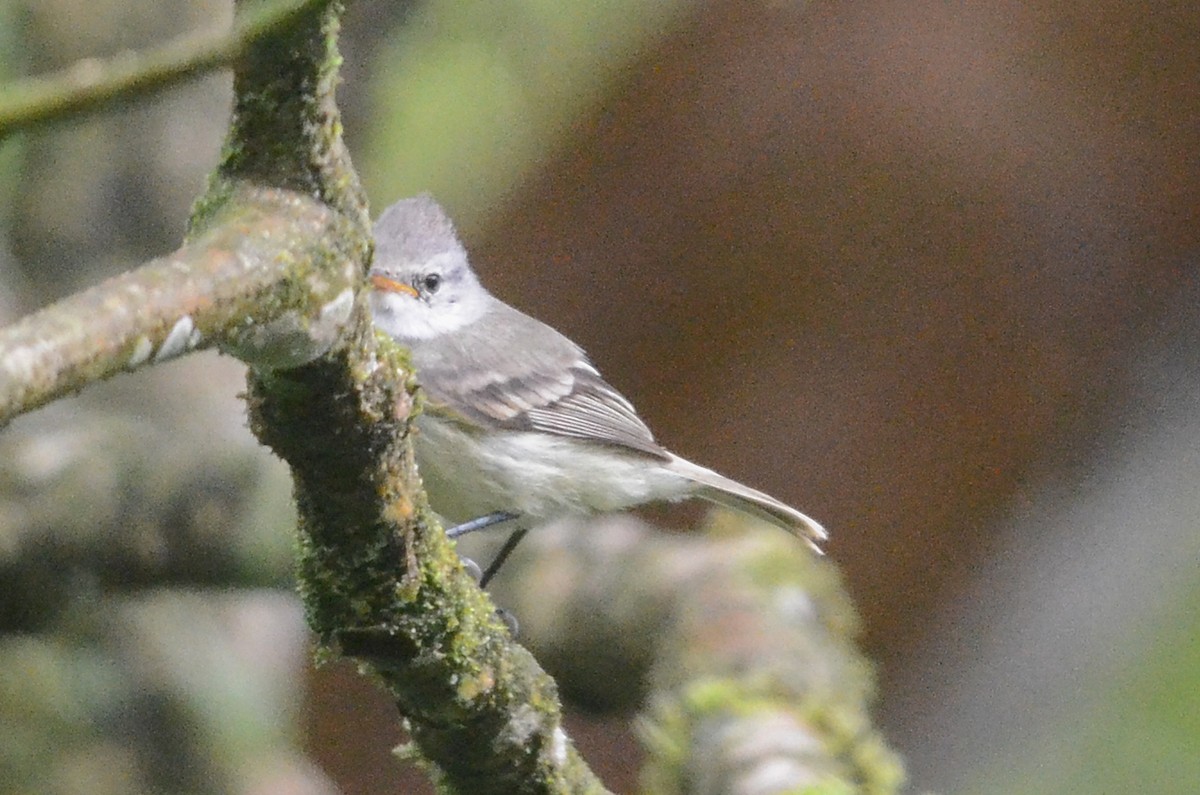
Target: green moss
{"x":206,"y":208}
{"x":865,"y":763}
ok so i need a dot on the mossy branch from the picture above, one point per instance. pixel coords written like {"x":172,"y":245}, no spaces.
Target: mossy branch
{"x":379,"y":579}
{"x":263,"y":283}
{"x":382,"y":583}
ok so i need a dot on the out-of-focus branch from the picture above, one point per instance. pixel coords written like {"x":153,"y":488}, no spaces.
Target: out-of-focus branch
{"x":93,"y":83}
{"x":259,"y":283}
{"x":739,"y":644}
{"x":94,"y":502}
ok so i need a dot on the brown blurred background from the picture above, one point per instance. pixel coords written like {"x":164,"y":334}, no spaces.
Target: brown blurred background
{"x":924,"y":270}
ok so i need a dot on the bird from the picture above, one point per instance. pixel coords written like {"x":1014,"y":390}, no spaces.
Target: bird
{"x":517,"y":423}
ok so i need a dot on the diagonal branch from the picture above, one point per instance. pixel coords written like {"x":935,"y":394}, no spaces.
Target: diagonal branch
{"x":259,"y":283}
{"x":91,"y":84}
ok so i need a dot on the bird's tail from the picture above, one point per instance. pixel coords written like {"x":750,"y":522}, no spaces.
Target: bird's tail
{"x":731,"y":494}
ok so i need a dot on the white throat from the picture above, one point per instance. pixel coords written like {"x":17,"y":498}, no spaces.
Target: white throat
{"x":409,"y":318}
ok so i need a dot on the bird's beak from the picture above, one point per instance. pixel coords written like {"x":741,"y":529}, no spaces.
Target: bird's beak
{"x":387,"y":285}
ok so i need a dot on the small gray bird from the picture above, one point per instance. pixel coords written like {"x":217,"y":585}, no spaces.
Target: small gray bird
{"x":517,"y":421}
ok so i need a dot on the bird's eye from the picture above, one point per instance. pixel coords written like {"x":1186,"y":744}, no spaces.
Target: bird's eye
{"x":430,"y":282}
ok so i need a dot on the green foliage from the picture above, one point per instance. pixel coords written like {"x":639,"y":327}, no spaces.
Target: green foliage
{"x":1131,"y":727}
{"x":472,"y":97}
{"x":10,"y":150}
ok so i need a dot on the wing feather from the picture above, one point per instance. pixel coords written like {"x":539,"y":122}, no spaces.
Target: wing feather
{"x":499,"y":380}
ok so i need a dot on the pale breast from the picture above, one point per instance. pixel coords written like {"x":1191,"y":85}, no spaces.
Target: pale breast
{"x":538,"y":475}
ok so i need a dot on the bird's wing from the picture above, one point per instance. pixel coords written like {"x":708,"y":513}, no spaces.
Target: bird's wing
{"x":528,"y":377}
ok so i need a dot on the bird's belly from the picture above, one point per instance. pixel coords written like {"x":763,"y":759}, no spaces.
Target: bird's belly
{"x":538,"y":475}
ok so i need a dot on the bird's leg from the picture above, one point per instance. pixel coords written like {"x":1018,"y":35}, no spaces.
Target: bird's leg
{"x":482,"y":522}
{"x":479,"y":523}
{"x":502,"y":555}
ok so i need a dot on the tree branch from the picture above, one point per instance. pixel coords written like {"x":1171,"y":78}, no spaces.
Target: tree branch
{"x":378,"y":576}
{"x":263,"y":283}
{"x":92,"y":84}
{"x":737,"y":644}
{"x":111,"y":495}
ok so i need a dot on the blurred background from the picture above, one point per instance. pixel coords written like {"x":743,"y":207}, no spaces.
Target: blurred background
{"x":924,"y":270}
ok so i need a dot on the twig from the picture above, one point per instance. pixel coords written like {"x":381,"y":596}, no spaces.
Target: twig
{"x":93,"y":83}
